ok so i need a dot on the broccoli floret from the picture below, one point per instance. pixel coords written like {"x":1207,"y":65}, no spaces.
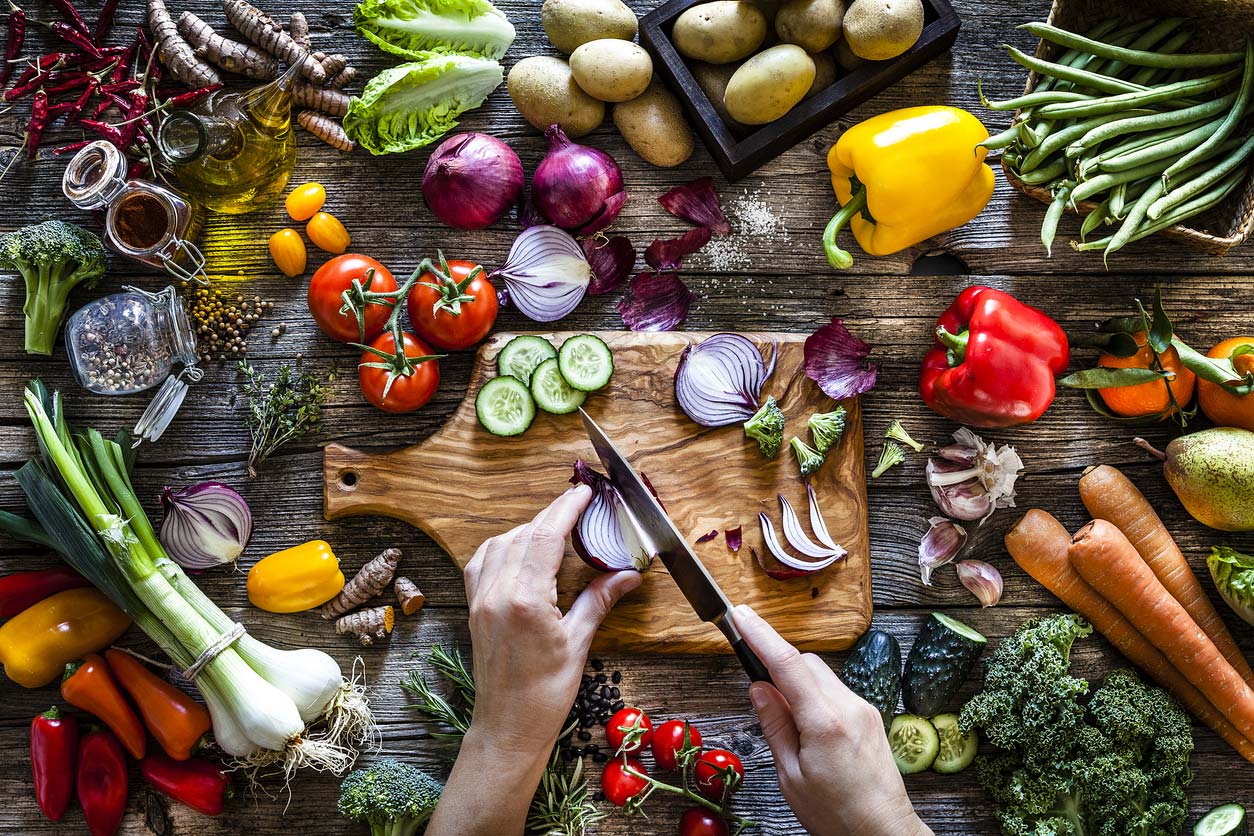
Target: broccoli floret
{"x":897,"y":432}
{"x":826,"y":428}
{"x":53,"y":257}
{"x":892,"y":455}
{"x":394,"y":798}
{"x":808,"y":458}
{"x":767,"y":426}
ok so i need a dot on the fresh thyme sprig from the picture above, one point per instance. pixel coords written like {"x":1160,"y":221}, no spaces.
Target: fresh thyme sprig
{"x":287,"y":409}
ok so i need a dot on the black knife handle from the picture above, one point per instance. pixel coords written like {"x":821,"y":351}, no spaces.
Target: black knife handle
{"x":750,"y":662}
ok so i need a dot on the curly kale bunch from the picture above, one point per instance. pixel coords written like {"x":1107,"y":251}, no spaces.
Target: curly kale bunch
{"x":1115,"y":763}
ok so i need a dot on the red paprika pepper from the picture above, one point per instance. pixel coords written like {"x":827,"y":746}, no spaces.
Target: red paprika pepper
{"x":994,"y":362}
{"x":90,"y":686}
{"x":53,"y":748}
{"x":178,"y":722}
{"x":101,"y":782}
{"x":200,"y":784}
{"x":24,"y":589}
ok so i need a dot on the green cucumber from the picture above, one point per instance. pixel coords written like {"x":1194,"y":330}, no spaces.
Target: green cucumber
{"x":1224,"y":820}
{"x":586,"y":362}
{"x":957,"y":750}
{"x":914,"y":743}
{"x":939,"y":663}
{"x":873,"y":671}
{"x":552,"y":392}
{"x":521,"y":355}
{"x":504,"y":406}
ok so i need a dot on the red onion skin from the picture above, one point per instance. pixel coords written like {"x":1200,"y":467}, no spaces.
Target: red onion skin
{"x":574,"y":183}
{"x":472,"y":180}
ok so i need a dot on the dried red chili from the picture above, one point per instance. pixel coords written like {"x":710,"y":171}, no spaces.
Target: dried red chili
{"x":13,"y":43}
{"x":72,"y":16}
{"x":38,"y":122}
{"x":75,"y":37}
{"x":104,"y":22}
{"x":192,"y":96}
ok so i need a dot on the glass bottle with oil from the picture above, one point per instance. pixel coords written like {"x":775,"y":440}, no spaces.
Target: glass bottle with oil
{"x":234,"y":151}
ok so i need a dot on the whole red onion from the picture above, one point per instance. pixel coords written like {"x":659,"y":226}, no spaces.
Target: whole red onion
{"x":577,"y":187}
{"x":471,"y":180}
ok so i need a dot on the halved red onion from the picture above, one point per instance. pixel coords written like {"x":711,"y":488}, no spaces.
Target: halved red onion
{"x":204,"y":525}
{"x":816,"y":520}
{"x":607,"y":536}
{"x":797,"y":537}
{"x":719,"y":379}
{"x":546,"y":273}
{"x":777,"y":551}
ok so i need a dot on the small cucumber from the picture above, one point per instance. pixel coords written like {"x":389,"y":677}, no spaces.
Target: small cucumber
{"x":873,"y":671}
{"x":957,"y":750}
{"x":586,"y":362}
{"x":939,"y":662}
{"x":914,"y":743}
{"x":1224,"y":820}
{"x":505,"y":407}
{"x":552,"y":392}
{"x":521,"y":355}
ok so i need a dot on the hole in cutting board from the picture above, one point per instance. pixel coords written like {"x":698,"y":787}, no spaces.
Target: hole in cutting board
{"x":348,"y":479}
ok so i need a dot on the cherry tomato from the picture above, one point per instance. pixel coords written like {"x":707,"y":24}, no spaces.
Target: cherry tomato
{"x":327,"y":233}
{"x":629,"y":730}
{"x":288,"y":251}
{"x":719,"y":774}
{"x":303,"y":202}
{"x":406,"y":392}
{"x":671,"y":739}
{"x":326,"y":290}
{"x":441,"y":311}
{"x":698,"y":821}
{"x":618,"y":784}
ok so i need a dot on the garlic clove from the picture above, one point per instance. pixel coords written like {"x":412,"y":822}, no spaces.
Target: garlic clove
{"x":981,"y":580}
{"x":941,"y":544}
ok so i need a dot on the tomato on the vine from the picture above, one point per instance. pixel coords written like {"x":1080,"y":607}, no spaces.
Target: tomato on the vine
{"x":672,"y":740}
{"x":619,"y":785}
{"x":396,"y":382}
{"x":718,"y":774}
{"x":453,"y":306}
{"x":326,"y":297}
{"x":698,"y":821}
{"x":629,"y":730}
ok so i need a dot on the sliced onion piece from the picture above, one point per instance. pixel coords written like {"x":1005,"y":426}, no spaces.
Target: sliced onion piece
{"x":546,"y":273}
{"x":734,"y":538}
{"x":607,"y":536}
{"x":719,"y":379}
{"x":774,"y":573}
{"x":777,"y":550}
{"x":797,"y":537}
{"x":816,"y":521}
{"x":705,"y":538}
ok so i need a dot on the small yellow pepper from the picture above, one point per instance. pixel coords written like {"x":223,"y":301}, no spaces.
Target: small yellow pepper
{"x":295,"y":579}
{"x":37,"y":643}
{"x":904,"y":176}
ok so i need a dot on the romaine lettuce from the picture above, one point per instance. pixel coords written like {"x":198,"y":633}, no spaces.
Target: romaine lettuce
{"x":411,"y":28}
{"x":1233,"y":574}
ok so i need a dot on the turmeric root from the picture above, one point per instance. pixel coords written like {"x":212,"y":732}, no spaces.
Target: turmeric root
{"x":326,"y":129}
{"x":232,"y":56}
{"x":367,"y":625}
{"x":344,"y":78}
{"x":177,"y":54}
{"x":369,"y":581}
{"x":298,"y":28}
{"x":333,"y":64}
{"x":409,"y":596}
{"x":265,"y":32}
{"x":326,"y":99}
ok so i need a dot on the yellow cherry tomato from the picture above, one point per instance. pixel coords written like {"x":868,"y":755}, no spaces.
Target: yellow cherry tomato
{"x":287,"y":249}
{"x":327,"y":233}
{"x":303,"y":202}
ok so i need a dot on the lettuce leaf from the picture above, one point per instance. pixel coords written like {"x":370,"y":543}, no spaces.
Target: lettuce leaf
{"x":412,"y":28}
{"x":1233,"y":574}
{"x":412,"y":105}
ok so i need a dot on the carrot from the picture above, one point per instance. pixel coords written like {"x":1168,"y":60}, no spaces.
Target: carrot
{"x":1110,"y":564}
{"x":1039,"y":543}
{"x":1111,"y":496}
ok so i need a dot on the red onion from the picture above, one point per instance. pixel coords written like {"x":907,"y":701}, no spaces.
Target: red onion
{"x":607,"y":536}
{"x":719,"y":379}
{"x":816,"y":520}
{"x":577,"y":187}
{"x":546,"y":273}
{"x":204,"y":525}
{"x":799,"y":540}
{"x":798,"y":567}
{"x":471,"y":180}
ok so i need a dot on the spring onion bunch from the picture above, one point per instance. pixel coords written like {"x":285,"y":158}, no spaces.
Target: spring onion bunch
{"x":260,"y":698}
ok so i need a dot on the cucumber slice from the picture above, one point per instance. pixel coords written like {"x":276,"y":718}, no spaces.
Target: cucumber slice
{"x":521,"y":355}
{"x":552,"y":392}
{"x":586,"y":362}
{"x":914,"y":743}
{"x":957,"y":750}
{"x":1224,"y":820}
{"x":505,"y":406}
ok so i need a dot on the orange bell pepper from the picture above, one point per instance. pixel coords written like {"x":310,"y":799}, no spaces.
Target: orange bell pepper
{"x":37,"y":643}
{"x":89,"y":685}
{"x":178,"y":722}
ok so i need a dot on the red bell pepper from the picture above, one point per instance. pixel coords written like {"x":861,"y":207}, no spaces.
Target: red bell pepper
{"x":994,"y":362}
{"x":198,"y":783}
{"x":53,"y":748}
{"x":102,"y":782}
{"x":25,"y":589}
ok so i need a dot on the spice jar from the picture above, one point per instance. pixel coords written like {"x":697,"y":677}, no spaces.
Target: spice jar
{"x":146,"y":222}
{"x":128,"y":342}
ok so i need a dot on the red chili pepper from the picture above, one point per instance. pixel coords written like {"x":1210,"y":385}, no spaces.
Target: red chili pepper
{"x":81,"y":101}
{"x":22,"y":589}
{"x":137,"y":169}
{"x":38,"y":122}
{"x":994,"y":362}
{"x":91,"y":686}
{"x":123,"y":68}
{"x":192,"y":96}
{"x":53,"y":748}
{"x":198,"y":783}
{"x":101,"y":782}
{"x":13,"y":43}
{"x":104,"y":22}
{"x":72,"y":147}
{"x":76,"y":80}
{"x":109,"y":132}
{"x":75,"y":37}
{"x":71,"y":15}
{"x":119,"y":87}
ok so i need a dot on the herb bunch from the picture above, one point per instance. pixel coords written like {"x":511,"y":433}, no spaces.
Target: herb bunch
{"x":284,"y":410}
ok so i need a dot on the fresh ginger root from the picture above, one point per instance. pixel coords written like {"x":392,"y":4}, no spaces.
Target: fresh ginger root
{"x":368,"y":625}
{"x":370,"y":581}
{"x":410,"y":597}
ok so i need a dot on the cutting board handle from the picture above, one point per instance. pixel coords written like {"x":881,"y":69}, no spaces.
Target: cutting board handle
{"x":357,"y":483}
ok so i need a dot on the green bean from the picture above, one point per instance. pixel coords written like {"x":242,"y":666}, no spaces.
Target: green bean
{"x":1166,"y":144}
{"x":1083,"y":78}
{"x":1150,"y":39}
{"x":1140,"y":58}
{"x":1049,"y":227}
{"x":1102,"y":182}
{"x":1199,"y":184}
{"x":1168,"y":119}
{"x":1118,"y":200}
{"x":1147,"y":75}
{"x":1155,"y":95}
{"x":1226,"y":127}
{"x":1036,"y":97}
{"x":1095,"y":218}
{"x":1001,"y":139}
{"x":1044,"y":175}
{"x":1028,"y":137}
{"x":1060,"y":139}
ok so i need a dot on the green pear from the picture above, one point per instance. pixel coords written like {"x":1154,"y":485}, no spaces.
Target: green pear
{"x":1212,"y":472}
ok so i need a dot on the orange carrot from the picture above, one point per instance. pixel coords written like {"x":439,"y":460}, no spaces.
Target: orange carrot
{"x":1111,"y":496}
{"x":1110,"y":564}
{"x":1039,"y":543}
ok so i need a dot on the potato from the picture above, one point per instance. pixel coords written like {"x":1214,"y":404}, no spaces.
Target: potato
{"x":719,"y":32}
{"x":881,"y":29}
{"x":572,"y":23}
{"x":769,"y":84}
{"x":813,"y":25}
{"x":824,"y":73}
{"x":545,"y":93}
{"x":611,"y":70}
{"x":712,"y":79}
{"x":845,"y":59}
{"x":654,"y":126}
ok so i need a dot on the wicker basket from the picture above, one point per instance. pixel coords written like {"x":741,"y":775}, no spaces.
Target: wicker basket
{"x":1220,"y":25}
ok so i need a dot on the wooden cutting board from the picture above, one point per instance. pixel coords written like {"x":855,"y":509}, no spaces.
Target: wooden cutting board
{"x":463,"y":485}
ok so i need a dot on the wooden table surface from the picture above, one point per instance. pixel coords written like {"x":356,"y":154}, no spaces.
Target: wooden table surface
{"x":783,"y":283}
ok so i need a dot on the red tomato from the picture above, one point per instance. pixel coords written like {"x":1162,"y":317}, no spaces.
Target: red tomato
{"x":406,"y":392}
{"x":457,"y":314}
{"x":326,"y":291}
{"x":629,"y":730}
{"x":669,"y":743}
{"x":719,"y":774}
{"x":698,"y":821}
{"x":618,"y":784}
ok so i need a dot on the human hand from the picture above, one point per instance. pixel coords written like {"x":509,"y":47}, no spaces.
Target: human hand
{"x":831,"y":754}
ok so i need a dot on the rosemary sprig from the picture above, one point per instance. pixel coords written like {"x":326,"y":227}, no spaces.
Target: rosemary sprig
{"x":282,"y":411}
{"x":449,"y":663}
{"x":432,"y":705}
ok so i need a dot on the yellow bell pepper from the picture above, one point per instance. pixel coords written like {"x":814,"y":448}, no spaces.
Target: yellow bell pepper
{"x":904,"y":176}
{"x":295,"y":579}
{"x":37,"y":643}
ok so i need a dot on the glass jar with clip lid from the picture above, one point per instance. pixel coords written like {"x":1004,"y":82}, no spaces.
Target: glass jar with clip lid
{"x":147,"y":222}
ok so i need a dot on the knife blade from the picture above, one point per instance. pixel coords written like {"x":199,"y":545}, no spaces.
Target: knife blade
{"x":693,"y":579}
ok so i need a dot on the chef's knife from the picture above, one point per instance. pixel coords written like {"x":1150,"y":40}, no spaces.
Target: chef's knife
{"x":684,"y":566}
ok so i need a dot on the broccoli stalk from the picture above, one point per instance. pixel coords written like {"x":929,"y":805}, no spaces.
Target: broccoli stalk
{"x":808,"y":458}
{"x":53,"y":257}
{"x":394,"y":798}
{"x":767,"y":426}
{"x":826,"y":428}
